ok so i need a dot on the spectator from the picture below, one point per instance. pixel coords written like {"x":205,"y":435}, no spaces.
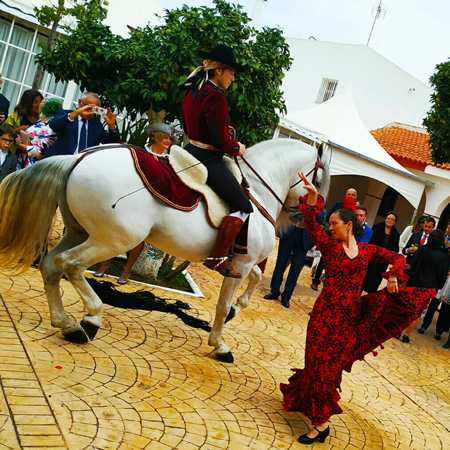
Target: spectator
{"x":161,"y":138}
{"x":40,"y":134}
{"x":429,"y":269}
{"x":351,"y":192}
{"x":4,"y":104}
{"x":78,"y":130}
{"x":409,"y":230}
{"x":361,"y":215}
{"x":8,"y":161}
{"x":447,"y":238}
{"x":293,"y":245}
{"x":418,"y":239}
{"x":385,"y":235}
{"x":26,"y":113}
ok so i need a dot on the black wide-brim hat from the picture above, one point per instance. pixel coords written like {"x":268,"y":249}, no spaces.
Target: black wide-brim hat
{"x":223,"y":54}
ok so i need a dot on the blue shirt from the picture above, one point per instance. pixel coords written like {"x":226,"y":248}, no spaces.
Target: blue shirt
{"x":367,"y":234}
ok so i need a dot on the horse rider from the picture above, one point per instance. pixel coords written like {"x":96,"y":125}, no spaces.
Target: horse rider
{"x":205,"y":120}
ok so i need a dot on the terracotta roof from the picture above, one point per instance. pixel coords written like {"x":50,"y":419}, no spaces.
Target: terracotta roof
{"x":408,"y":145}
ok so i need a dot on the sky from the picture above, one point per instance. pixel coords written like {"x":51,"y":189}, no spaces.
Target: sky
{"x":413,"y":33}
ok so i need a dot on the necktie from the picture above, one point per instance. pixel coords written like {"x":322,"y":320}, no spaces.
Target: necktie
{"x":423,"y":240}
{"x":83,"y":137}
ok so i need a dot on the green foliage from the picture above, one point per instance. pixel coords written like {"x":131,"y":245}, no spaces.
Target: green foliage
{"x":438,"y":118}
{"x":145,"y":70}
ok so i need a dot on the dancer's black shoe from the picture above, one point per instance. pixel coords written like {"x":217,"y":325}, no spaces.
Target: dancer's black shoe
{"x":271,"y":296}
{"x":305,"y":439}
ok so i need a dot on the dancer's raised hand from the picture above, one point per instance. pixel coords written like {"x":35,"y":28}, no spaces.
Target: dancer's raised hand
{"x":307,"y":184}
{"x":312,"y":191}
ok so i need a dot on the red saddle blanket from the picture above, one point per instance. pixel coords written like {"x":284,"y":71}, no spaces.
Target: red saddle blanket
{"x":162,"y":181}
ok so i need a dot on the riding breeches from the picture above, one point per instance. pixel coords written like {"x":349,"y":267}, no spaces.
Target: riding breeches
{"x":221,"y":180}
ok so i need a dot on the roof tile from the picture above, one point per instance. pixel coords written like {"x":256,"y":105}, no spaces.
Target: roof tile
{"x":407,"y":145}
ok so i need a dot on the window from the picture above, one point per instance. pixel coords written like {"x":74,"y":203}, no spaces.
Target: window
{"x":327,"y":90}
{"x":18,"y":47}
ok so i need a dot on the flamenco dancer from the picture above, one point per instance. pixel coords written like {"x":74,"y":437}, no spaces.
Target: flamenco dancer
{"x":345,"y":326}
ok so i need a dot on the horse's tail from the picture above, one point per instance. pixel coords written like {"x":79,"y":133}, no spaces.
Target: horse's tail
{"x":28,"y":202}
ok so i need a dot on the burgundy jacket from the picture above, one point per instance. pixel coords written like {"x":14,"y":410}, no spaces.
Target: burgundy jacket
{"x":206,"y":118}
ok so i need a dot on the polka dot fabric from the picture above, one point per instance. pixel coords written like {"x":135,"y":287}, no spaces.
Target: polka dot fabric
{"x":345,"y":326}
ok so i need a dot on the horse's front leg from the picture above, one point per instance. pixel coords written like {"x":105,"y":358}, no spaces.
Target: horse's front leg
{"x":227,"y":292}
{"x":243,"y":301}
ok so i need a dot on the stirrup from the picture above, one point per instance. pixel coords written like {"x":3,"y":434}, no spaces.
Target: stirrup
{"x":223,"y":266}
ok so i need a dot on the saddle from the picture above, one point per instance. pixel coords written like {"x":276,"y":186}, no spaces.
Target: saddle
{"x":179,"y":180}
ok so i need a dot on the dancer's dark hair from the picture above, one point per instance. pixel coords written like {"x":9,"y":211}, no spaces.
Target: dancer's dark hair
{"x":347,"y":215}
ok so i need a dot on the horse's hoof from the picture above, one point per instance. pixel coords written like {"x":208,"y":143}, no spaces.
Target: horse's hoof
{"x":90,"y":329}
{"x":76,"y":337}
{"x":225,"y":358}
{"x":231,"y":314}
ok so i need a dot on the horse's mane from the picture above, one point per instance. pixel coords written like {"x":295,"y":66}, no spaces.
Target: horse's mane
{"x":264,"y":146}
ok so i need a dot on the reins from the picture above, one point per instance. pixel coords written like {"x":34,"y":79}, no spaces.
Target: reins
{"x":318,"y":165}
{"x":260,"y":178}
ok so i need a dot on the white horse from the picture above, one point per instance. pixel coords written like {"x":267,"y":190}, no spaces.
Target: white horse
{"x":99,"y":227}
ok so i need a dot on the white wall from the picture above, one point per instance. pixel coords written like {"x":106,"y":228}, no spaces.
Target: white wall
{"x":383,"y":92}
{"x":437,"y":196}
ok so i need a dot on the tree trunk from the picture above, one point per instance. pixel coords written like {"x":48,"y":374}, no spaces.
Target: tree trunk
{"x":177,"y":271}
{"x":50,"y":42}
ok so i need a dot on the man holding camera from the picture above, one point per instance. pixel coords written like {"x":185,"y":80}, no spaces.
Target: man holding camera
{"x":78,"y":130}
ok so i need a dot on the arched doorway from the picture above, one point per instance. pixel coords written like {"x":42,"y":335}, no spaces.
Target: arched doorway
{"x":445,"y":218}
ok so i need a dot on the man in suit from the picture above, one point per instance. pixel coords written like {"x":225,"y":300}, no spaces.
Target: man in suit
{"x":293,"y":245}
{"x":361,"y":214}
{"x":8,"y":160}
{"x":418,"y":239}
{"x":4,"y":104}
{"x":351,"y":192}
{"x":78,"y":130}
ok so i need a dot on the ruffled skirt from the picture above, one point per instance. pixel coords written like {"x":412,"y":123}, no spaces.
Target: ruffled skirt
{"x":335,"y":341}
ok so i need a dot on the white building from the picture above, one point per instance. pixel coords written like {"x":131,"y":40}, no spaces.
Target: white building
{"x":383,"y":92}
{"x":357,"y":160}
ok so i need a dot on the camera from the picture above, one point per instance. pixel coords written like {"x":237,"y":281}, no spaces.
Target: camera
{"x":100,"y":111}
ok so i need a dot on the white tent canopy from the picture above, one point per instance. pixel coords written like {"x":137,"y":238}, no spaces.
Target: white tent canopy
{"x":355,"y":150}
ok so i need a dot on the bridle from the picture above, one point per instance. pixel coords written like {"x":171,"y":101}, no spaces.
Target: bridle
{"x":315,"y":171}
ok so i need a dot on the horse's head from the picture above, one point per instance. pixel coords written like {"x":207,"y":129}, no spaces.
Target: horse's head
{"x":319,"y":173}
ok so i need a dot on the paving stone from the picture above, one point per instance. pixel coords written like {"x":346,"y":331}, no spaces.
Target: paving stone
{"x":148,"y":381}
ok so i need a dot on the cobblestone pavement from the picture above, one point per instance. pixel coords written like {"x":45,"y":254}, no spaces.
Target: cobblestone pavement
{"x":148,"y":381}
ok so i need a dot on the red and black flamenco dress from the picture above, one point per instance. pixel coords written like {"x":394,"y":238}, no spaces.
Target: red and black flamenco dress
{"x":345,"y":326}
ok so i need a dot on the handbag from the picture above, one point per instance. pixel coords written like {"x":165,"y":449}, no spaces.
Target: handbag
{"x":443,"y":294}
